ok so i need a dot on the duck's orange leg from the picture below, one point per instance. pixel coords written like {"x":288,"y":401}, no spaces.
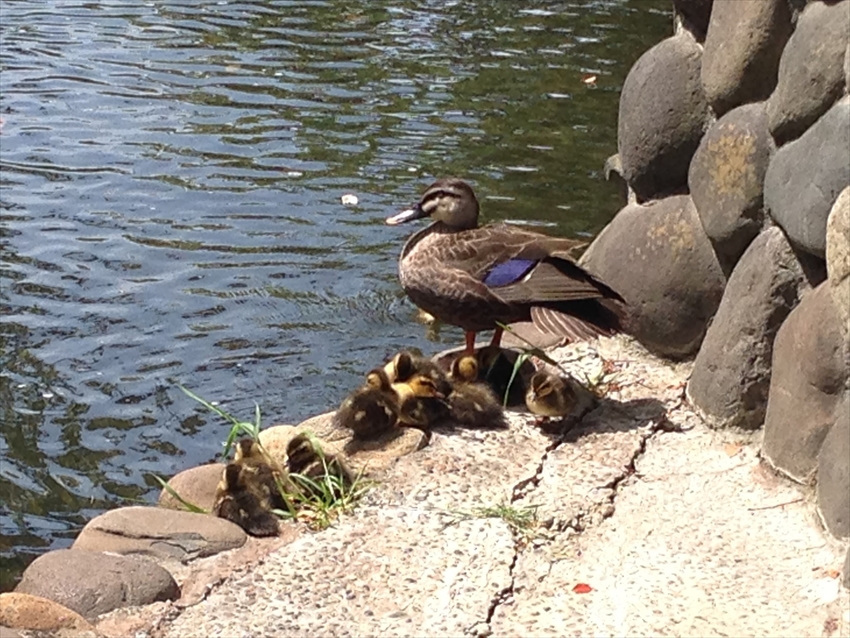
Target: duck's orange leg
{"x":497,"y":337}
{"x":470,"y":342}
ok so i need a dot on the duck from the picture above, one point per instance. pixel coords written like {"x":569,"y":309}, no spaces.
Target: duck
{"x":405,"y":366}
{"x":550,"y":396}
{"x":305,"y":458}
{"x":241,"y":499}
{"x":473,"y":403}
{"x":484,"y":277}
{"x":497,"y":371}
{"x":420,"y":403}
{"x":258,"y":466}
{"x":370,"y":411}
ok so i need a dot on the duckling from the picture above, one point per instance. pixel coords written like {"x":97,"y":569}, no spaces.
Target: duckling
{"x":244,"y":500}
{"x":550,"y":395}
{"x":473,"y":403}
{"x":404,"y":366}
{"x":420,"y":403}
{"x":306,"y":459}
{"x":497,"y":370}
{"x":256,"y":465}
{"x":369,"y":411}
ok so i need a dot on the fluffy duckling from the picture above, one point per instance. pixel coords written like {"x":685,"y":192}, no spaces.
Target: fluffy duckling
{"x":496,"y":370}
{"x":242,"y":498}
{"x":369,"y":411}
{"x":257,"y":466}
{"x":405,"y":366}
{"x":550,"y":395}
{"x":420,"y":402}
{"x":471,"y":402}
{"x":306,"y":459}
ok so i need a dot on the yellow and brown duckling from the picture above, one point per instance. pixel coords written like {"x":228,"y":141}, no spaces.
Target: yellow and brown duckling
{"x":405,"y":366}
{"x":369,"y":411}
{"x":250,"y":488}
{"x":473,"y":403}
{"x":244,"y":500}
{"x":550,"y":396}
{"x":420,"y":402}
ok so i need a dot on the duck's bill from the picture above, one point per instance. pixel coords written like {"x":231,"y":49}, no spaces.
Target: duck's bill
{"x":407,"y":215}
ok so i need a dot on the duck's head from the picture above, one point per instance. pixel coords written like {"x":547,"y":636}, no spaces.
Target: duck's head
{"x":419,"y":386}
{"x":465,"y":368}
{"x":377,"y":379}
{"x":247,"y":448}
{"x":541,"y":386}
{"x":448,"y":200}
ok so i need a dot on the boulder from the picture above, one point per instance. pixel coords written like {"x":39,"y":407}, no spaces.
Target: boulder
{"x":731,"y":375}
{"x":24,"y":611}
{"x":742,"y":50}
{"x":805,"y":177}
{"x":93,"y":583}
{"x":726,"y":179}
{"x":811,"y":70}
{"x":847,"y":69}
{"x":834,"y":473}
{"x":660,"y":259}
{"x":160,"y":533}
{"x":838,"y":257}
{"x":695,"y":15}
{"x":810,"y":362}
{"x":196,"y":485}
{"x":663,"y":115}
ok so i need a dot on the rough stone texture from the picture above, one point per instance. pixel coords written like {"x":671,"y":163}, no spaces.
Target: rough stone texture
{"x":195,"y":485}
{"x":847,"y":70}
{"x":731,"y":374}
{"x":663,"y":115}
{"x":700,"y":537}
{"x":846,"y":571}
{"x":742,"y":51}
{"x":810,"y":366}
{"x":661,"y":261}
{"x":93,"y":583}
{"x":805,"y":177}
{"x":678,"y":533}
{"x":834,"y":472}
{"x":811,"y":70}
{"x":23,"y":611}
{"x":726,"y":179}
{"x":838,"y":257}
{"x":160,"y":533}
{"x":695,"y":15}
{"x":369,"y":457}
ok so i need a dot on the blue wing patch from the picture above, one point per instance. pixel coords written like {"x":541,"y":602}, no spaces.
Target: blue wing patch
{"x":508,"y":272}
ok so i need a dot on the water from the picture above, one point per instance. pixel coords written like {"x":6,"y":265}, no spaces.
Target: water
{"x":170,"y":184}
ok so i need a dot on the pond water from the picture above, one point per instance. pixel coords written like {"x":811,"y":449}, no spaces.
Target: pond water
{"x":171,"y":177}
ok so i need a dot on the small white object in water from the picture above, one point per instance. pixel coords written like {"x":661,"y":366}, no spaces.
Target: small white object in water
{"x":349,"y":200}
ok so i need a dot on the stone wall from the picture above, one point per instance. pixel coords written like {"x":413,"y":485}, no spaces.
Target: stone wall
{"x":733,"y":245}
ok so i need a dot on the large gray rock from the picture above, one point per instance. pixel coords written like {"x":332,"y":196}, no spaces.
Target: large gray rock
{"x":731,"y":374}
{"x":810,"y":364}
{"x":24,"y":611}
{"x":834,"y":473}
{"x":847,"y":69}
{"x":695,"y":15}
{"x":660,"y":259}
{"x":805,"y":177}
{"x":160,"y":533}
{"x":663,"y":115}
{"x":93,"y":583}
{"x":838,"y":256}
{"x":726,"y":179}
{"x":742,"y":51}
{"x":811,"y":70}
{"x":196,"y":485}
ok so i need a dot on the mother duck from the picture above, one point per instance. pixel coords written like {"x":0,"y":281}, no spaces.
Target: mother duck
{"x":475,"y":277}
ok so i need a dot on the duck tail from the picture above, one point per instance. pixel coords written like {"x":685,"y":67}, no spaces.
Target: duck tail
{"x":580,"y":320}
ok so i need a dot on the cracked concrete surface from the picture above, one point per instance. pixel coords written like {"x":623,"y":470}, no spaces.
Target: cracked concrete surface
{"x":677,"y":530}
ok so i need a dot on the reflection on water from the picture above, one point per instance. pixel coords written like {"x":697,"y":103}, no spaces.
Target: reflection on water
{"x":170,"y":199}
